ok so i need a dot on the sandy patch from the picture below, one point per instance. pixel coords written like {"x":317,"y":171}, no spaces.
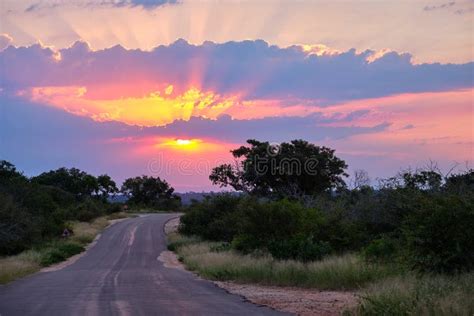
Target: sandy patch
{"x":172,"y":225}
{"x":170,"y":260}
{"x":294,"y":300}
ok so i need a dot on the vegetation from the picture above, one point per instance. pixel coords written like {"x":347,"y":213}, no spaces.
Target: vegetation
{"x":53,"y":251}
{"x":420,"y":219}
{"x":216,"y":261}
{"x":290,"y":169}
{"x":405,"y":243}
{"x":425,"y":295}
{"x":35,"y":211}
{"x":150,"y":192}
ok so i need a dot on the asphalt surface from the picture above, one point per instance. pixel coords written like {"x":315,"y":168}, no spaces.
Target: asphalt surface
{"x":121,"y":275}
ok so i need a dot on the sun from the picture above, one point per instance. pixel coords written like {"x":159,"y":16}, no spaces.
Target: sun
{"x":184,"y":142}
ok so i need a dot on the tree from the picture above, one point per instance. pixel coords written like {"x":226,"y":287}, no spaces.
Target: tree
{"x":462,"y":183}
{"x":150,"y":191}
{"x":292,"y":169}
{"x":71,"y":180}
{"x":8,"y":172}
{"x":106,"y":186}
{"x":422,"y":180}
{"x":361,"y":179}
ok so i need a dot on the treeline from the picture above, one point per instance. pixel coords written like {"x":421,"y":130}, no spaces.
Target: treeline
{"x":419,"y":219}
{"x":35,"y":210}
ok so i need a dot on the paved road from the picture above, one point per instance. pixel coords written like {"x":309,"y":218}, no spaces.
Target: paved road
{"x":121,"y":275}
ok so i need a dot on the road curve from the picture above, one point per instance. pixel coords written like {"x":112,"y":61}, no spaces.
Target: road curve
{"x":121,"y":275}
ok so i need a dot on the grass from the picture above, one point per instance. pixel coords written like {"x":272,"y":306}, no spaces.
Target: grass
{"x":420,"y":295}
{"x":120,"y":215}
{"x":85,"y":232}
{"x":58,"y":251}
{"x":176,"y":241}
{"x":337,"y":272}
{"x":14,"y":267}
{"x":30,"y":261}
{"x":383,"y":289}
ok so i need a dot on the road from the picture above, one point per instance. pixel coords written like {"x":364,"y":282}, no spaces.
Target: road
{"x":120,"y":275}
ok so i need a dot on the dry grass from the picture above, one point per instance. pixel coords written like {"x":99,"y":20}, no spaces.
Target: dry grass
{"x":338,"y":272}
{"x":27,"y":262}
{"x":120,"y":215}
{"x":420,"y":295}
{"x":18,"y":266}
{"x":383,"y":290}
{"x":85,"y":232}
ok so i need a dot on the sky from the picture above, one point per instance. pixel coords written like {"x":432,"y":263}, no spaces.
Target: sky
{"x":167,"y":87}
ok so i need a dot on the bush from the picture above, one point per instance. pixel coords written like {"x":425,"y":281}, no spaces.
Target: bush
{"x":59,"y":252}
{"x":114,"y":208}
{"x":213,"y":219}
{"x":381,"y":249}
{"x":285,"y":229}
{"x":87,"y":210}
{"x":17,"y":229}
{"x":438,"y":234}
{"x":300,"y":248}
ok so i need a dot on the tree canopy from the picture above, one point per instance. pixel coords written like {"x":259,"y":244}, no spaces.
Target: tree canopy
{"x":149,"y":191}
{"x":288,"y":169}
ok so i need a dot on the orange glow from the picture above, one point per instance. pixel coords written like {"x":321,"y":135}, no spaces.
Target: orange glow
{"x":154,"y":109}
{"x":183,"y":144}
{"x":319,"y":50}
{"x":431,"y":124}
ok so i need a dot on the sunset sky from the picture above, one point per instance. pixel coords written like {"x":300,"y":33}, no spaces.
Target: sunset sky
{"x":167,"y":88}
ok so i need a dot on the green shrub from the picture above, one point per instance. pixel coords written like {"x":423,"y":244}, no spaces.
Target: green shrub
{"x":382,"y":248}
{"x":438,"y":234}
{"x":17,"y":229}
{"x":114,"y":208}
{"x":58,"y":252}
{"x":212,"y":219}
{"x":286,"y":229}
{"x":299,"y":248}
{"x":87,"y":210}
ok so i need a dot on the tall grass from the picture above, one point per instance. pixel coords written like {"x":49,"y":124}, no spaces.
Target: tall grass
{"x":18,"y":266}
{"x":341,"y":272}
{"x":30,"y":261}
{"x":85,"y":232}
{"x":384,"y":289}
{"x":422,"y":295}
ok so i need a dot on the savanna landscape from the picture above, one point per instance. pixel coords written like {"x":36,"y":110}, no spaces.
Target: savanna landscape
{"x":177,"y":157}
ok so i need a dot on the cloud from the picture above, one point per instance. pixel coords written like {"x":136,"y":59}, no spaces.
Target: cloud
{"x":5,"y":41}
{"x":145,"y":4}
{"x":461,"y":8}
{"x":148,"y":3}
{"x":464,"y":11}
{"x":250,"y":69}
{"x":38,"y":138}
{"x":440,"y":6}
